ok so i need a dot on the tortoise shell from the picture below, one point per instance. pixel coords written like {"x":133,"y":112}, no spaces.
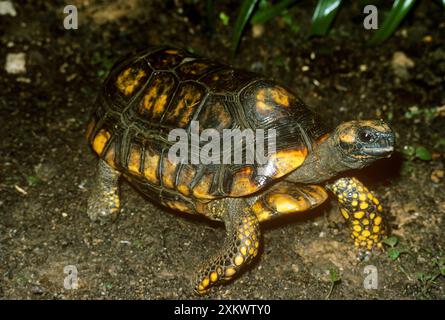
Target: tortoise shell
{"x":165,"y":88}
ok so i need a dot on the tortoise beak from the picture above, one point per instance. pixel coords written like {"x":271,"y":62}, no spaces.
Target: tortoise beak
{"x":382,"y":147}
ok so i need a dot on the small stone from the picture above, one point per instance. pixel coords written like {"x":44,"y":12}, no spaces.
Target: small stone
{"x":295,"y":268}
{"x":7,"y":8}
{"x":305,"y":68}
{"x":37,"y":290}
{"x":400,"y":59}
{"x":15,"y":63}
{"x":257,"y":30}
{"x":400,"y":64}
{"x":363,"y":68}
{"x":437,"y":175}
{"x":427,"y":39}
{"x":45,"y":171}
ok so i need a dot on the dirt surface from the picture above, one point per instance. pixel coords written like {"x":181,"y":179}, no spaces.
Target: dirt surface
{"x":46,"y":166}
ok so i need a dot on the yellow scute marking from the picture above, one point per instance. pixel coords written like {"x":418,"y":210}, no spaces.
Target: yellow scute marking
{"x":188,"y":100}
{"x":280,"y":96}
{"x":242,"y":183}
{"x":160,"y":104}
{"x":128,"y":80}
{"x":100,"y":141}
{"x":284,"y":203}
{"x":288,"y":160}
{"x":134,"y":162}
{"x":201,"y":190}
{"x":109,"y":156}
{"x":261,"y":104}
{"x":176,"y":205}
{"x":151,"y":164}
{"x":149,"y":96}
{"x":168,"y":173}
{"x":261,"y":212}
{"x":183,"y":189}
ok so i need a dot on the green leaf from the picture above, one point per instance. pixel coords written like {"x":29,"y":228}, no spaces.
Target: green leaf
{"x":423,"y":154}
{"x":289,"y":21}
{"x":210,"y":10}
{"x":243,"y":17}
{"x":33,"y":180}
{"x":324,"y":14}
{"x":333,"y":275}
{"x":265,"y":14}
{"x":409,"y":151}
{"x":441,"y":141}
{"x":224,"y":18}
{"x":393,"y":253}
{"x":399,"y":10}
{"x":391,"y":241}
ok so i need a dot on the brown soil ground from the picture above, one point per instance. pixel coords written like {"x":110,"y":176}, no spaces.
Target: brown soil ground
{"x":46,"y":166}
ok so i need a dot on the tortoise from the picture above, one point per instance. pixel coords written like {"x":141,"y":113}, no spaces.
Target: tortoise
{"x":161,"y":89}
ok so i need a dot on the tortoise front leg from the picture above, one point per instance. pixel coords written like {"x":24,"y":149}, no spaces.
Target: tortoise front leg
{"x":103,"y":203}
{"x":363,"y":212}
{"x":239,"y":248}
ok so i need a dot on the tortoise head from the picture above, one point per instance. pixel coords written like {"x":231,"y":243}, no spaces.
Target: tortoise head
{"x":362,"y":142}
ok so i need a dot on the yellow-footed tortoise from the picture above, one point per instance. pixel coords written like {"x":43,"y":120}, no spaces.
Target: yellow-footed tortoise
{"x":147,"y":96}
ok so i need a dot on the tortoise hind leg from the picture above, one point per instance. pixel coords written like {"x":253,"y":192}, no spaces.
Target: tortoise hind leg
{"x":287,"y":198}
{"x":240,"y":246}
{"x":103,"y":203}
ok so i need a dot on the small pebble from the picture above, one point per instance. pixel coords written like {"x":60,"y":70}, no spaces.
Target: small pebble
{"x":363,"y":68}
{"x":7,"y":8}
{"x":37,"y":290}
{"x":15,"y":63}
{"x":257,"y":30}
{"x":427,"y":39}
{"x":437,"y":175}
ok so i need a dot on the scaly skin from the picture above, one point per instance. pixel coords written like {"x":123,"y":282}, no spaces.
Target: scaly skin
{"x":363,"y":212}
{"x":240,"y":246}
{"x":103,"y":203}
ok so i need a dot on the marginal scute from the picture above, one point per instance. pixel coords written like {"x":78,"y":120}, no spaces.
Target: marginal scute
{"x":100,"y":141}
{"x":202,"y":189}
{"x":168,"y":171}
{"x":284,"y":203}
{"x":151,"y":164}
{"x":134,"y":159}
{"x":243,"y":183}
{"x":285,"y":161}
{"x":179,"y":206}
{"x":185,"y":178}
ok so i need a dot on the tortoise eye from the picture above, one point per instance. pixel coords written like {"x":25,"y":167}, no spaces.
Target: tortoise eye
{"x":365,"y":136}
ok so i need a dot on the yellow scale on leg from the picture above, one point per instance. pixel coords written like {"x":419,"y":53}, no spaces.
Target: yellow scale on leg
{"x":363,"y":212}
